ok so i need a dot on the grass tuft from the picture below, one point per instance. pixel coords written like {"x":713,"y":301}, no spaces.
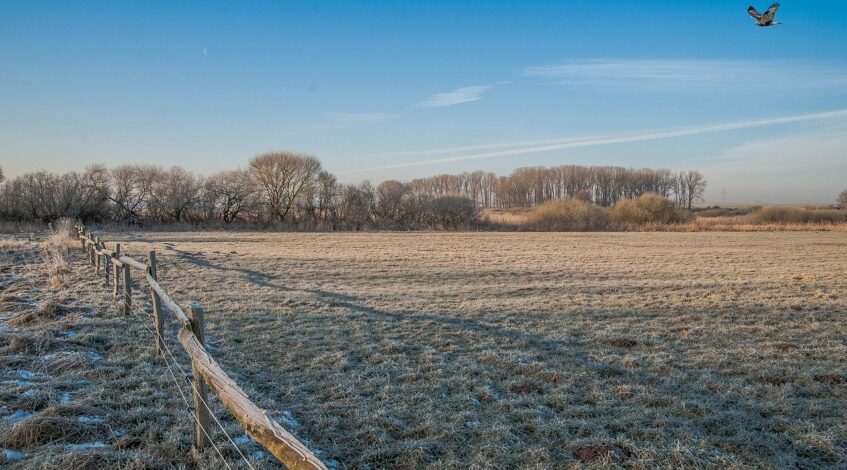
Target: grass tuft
{"x":55,"y":424}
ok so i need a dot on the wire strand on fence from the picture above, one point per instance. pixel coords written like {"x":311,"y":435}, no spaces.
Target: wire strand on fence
{"x":181,"y":391}
{"x":217,"y":379}
{"x":139,"y":313}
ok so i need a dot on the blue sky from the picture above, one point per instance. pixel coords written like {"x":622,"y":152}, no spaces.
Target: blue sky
{"x":381,"y":90}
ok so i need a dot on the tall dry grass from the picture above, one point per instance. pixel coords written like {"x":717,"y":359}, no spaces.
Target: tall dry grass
{"x":797,"y":215}
{"x":647,"y":209}
{"x":56,"y":247}
{"x":570,"y":215}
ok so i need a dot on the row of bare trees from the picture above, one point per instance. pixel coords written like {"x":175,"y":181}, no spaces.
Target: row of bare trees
{"x":601,"y":185}
{"x":293,"y":190}
{"x":277,"y":189}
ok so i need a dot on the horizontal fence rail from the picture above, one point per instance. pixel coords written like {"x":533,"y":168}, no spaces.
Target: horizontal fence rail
{"x":207,"y":373}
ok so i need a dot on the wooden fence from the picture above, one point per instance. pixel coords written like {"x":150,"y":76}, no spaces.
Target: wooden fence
{"x":207,"y":373}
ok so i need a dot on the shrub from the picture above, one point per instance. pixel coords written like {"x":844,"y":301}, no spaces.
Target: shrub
{"x":570,"y":215}
{"x":453,"y":212}
{"x":797,"y":215}
{"x":648,"y":209}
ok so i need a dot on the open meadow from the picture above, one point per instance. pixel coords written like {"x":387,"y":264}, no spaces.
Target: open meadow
{"x":489,"y":350}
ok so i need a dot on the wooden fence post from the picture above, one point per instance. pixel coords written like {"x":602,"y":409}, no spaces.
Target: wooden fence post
{"x":115,"y":272}
{"x":127,"y":290}
{"x":96,"y":255}
{"x":107,"y":264}
{"x":88,"y":248}
{"x":158,"y":319}
{"x":201,"y":426}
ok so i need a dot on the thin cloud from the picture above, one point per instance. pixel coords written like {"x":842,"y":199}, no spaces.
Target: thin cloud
{"x":457,"y":96}
{"x":348,"y":120}
{"x":498,"y":145}
{"x":653,"y":73}
{"x":620,"y":139}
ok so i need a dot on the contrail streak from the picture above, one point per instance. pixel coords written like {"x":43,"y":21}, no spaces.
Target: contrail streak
{"x":620,"y":139}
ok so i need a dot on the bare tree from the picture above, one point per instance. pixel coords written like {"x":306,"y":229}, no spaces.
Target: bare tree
{"x":355,"y":205}
{"x":231,"y":192}
{"x":695,"y":186}
{"x":131,"y":189}
{"x":842,"y":199}
{"x":175,"y":194}
{"x":389,"y":201}
{"x":328,"y":195}
{"x":36,"y":195}
{"x":282,"y":177}
{"x":2,"y":177}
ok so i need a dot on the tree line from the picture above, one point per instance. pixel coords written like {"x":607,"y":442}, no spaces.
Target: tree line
{"x":283,"y":189}
{"x":600,"y":185}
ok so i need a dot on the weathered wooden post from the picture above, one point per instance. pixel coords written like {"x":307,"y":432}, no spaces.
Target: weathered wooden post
{"x":107,"y":264}
{"x":201,"y":426}
{"x":158,"y":319}
{"x":88,"y":248}
{"x":127,"y":290}
{"x":96,"y":255}
{"x":115,"y":273}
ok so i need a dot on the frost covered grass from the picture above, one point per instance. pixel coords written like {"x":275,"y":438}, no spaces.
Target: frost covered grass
{"x":530,"y":350}
{"x":80,"y":386}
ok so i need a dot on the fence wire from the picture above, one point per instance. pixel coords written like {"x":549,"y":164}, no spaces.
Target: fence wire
{"x":140,"y":315}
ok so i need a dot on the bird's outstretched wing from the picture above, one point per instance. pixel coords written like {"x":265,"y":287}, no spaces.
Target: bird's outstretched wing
{"x":755,"y":14}
{"x":768,"y":16}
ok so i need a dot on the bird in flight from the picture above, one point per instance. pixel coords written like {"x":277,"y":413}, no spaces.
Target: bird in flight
{"x":765,"y":19}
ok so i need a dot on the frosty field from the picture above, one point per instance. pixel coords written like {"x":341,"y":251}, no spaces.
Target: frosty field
{"x":514,"y":350}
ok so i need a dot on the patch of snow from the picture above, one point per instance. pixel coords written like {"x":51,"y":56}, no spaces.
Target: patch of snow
{"x":87,"y":446}
{"x":89,"y":420}
{"x":30,"y":393}
{"x":65,"y":398}
{"x":289,"y":420}
{"x":12,"y":455}
{"x":17,"y":415}
{"x":242,"y":440}
{"x":259,"y":455}
{"x":67,"y":333}
{"x":94,"y":356}
{"x":27,"y":375}
{"x":331,"y":464}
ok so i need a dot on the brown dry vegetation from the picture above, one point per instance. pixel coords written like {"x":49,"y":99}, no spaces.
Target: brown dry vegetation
{"x":524,"y":350}
{"x":79,"y":385}
{"x":657,"y":215}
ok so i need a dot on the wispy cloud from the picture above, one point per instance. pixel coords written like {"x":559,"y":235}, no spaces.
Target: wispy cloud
{"x":457,"y":96}
{"x":347,"y":120}
{"x":620,"y":139}
{"x":682,"y":73}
